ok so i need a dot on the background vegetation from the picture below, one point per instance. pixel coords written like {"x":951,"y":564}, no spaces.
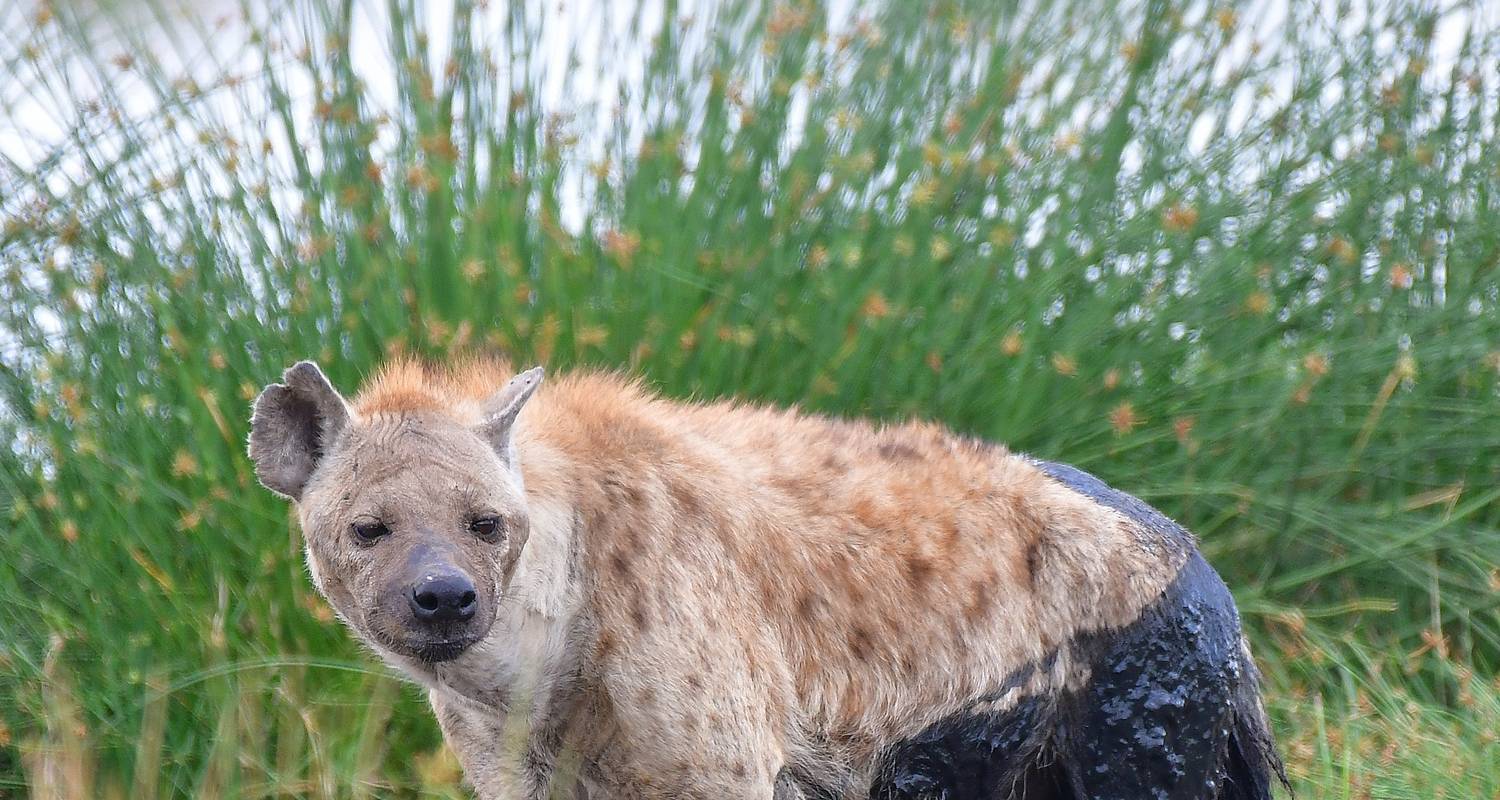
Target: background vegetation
{"x":1246,"y":270}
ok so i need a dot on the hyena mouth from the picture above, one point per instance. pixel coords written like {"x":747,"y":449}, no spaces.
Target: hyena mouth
{"x":437,"y":652}
{"x":428,"y":651}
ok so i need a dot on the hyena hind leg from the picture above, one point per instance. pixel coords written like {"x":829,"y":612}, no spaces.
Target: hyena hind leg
{"x":787,"y":788}
{"x":1173,"y":710}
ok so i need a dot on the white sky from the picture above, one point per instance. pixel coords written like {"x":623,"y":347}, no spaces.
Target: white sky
{"x":596,"y":35}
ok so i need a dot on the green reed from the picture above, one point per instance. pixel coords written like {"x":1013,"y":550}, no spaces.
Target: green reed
{"x":1247,"y":273}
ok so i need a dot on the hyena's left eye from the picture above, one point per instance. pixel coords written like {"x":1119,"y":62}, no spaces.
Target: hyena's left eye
{"x":486,"y":527}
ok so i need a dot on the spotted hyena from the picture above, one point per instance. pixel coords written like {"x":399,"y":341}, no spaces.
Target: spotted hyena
{"x":639,"y":597}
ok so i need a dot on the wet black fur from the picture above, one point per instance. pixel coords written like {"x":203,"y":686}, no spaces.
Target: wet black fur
{"x":1172,"y":711}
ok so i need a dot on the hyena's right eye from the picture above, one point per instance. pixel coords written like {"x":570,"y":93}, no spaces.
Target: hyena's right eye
{"x":368,"y":532}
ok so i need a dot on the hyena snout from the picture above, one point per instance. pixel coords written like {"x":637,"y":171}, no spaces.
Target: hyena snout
{"x":432,"y":609}
{"x":443,"y":597}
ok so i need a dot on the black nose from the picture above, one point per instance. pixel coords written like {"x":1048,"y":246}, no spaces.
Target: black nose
{"x":443,"y":598}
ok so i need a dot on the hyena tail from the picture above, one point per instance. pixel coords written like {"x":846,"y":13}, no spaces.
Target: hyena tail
{"x":1251,"y":766}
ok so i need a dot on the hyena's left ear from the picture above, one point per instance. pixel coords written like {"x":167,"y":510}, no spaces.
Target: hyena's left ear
{"x":292,"y":425}
{"x":501,"y":410}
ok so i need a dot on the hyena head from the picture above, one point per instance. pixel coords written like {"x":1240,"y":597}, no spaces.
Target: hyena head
{"x":413,"y":518}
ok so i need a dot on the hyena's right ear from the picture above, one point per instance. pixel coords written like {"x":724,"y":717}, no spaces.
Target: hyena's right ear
{"x":291,"y":425}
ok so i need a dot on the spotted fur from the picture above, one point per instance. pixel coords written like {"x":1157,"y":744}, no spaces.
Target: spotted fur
{"x":727,"y":600}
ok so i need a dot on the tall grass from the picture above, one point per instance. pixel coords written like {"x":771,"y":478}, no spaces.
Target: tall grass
{"x":1249,"y":273}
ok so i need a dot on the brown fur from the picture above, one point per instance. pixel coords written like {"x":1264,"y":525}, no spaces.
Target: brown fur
{"x":457,"y":390}
{"x":732,"y":590}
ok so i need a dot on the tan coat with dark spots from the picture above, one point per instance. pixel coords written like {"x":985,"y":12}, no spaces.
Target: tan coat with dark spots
{"x":650,"y":598}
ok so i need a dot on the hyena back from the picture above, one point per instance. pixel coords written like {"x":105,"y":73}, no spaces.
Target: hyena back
{"x":656,"y":599}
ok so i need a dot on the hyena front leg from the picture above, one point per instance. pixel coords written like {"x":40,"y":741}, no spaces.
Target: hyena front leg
{"x":497,"y":767}
{"x":688,"y":730}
